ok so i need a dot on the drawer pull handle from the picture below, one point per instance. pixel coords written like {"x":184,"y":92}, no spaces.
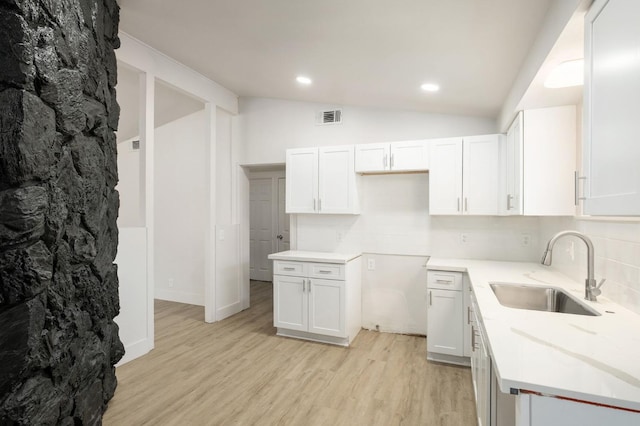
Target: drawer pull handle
{"x":324,"y":272}
{"x":444,"y":281}
{"x":468,"y":314}
{"x":430,"y":298}
{"x":289,"y":269}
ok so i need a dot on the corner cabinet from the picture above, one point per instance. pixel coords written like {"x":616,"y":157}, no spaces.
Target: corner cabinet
{"x":611,"y":151}
{"x":390,"y":157}
{"x":321,"y":180}
{"x":464,"y":175}
{"x":540,"y":155}
{"x":317,"y":301}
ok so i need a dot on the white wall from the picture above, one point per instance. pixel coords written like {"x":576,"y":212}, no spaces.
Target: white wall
{"x":269,"y":126}
{"x":132,"y":275}
{"x":230,"y":282}
{"x":180,"y":209}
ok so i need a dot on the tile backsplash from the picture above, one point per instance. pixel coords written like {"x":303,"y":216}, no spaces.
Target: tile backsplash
{"x":617,"y":255}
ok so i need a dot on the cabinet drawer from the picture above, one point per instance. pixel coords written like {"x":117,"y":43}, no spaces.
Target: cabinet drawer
{"x":329,"y":271}
{"x":444,"y":280}
{"x":297,"y":269}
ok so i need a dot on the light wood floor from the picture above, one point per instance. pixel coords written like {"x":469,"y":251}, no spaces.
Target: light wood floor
{"x":238,"y":372}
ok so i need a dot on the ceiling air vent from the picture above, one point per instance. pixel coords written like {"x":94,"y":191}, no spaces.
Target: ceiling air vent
{"x":135,"y":145}
{"x":333,"y":116}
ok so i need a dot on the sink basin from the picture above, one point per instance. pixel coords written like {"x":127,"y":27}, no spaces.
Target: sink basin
{"x":522,"y":296}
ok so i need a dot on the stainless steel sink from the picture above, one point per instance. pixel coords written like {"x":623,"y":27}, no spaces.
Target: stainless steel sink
{"x":522,"y":296}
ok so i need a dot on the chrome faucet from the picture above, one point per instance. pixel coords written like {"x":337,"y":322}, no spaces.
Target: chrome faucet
{"x":591,"y":290}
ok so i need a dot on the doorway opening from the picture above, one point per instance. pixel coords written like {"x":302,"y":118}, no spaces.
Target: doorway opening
{"x":268,"y":221}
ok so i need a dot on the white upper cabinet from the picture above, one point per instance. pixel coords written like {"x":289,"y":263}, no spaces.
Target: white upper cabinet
{"x":540,"y":163}
{"x":513,"y":167}
{"x":445,"y":176}
{"x":481,"y":174}
{"x":405,"y":156}
{"x":321,"y":180}
{"x":611,"y":152}
{"x":302,"y":180}
{"x":464,"y":175}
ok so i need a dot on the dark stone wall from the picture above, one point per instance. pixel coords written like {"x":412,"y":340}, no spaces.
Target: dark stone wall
{"x":58,"y":209}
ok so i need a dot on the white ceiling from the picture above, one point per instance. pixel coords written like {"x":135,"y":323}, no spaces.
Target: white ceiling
{"x":358,"y":52}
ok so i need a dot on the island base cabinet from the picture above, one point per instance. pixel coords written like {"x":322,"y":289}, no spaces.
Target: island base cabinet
{"x":537,"y":410}
{"x":319,"y":309}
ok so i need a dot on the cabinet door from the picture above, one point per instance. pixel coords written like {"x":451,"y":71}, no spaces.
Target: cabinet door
{"x":302,"y":180}
{"x":466,"y":327}
{"x":372,"y":157}
{"x":445,"y":176}
{"x":444,"y":322}
{"x":336,"y":180}
{"x":611,"y":151}
{"x":483,"y":400}
{"x":481,"y":176}
{"x":290,"y":303}
{"x":327,"y":307}
{"x":410,"y":156}
{"x":513,"y":201}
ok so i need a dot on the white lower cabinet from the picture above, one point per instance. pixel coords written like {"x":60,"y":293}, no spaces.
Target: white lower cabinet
{"x":317,"y":301}
{"x":480,"y":370}
{"x":446,"y":317}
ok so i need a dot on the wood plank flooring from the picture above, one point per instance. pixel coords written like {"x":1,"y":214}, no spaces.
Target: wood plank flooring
{"x":238,"y":372}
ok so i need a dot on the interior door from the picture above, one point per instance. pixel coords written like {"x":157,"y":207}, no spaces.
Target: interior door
{"x":283,"y":218}
{"x":261,"y":229}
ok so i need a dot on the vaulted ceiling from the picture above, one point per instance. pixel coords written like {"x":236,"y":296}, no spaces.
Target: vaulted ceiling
{"x":358,"y":52}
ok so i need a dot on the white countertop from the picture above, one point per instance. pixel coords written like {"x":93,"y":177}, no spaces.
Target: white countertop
{"x":314,"y":256}
{"x":590,"y":358}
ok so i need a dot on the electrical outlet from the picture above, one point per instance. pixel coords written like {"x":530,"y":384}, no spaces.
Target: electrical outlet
{"x":339,"y":236}
{"x":221,"y":235}
{"x":170,"y":282}
{"x":371,"y":264}
{"x":464,"y":238}
{"x":526,"y":239}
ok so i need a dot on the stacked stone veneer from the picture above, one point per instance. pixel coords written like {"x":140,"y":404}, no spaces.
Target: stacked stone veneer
{"x":58,"y":209}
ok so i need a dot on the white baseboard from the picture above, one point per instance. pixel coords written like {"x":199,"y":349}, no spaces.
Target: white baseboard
{"x":179,"y":296}
{"x":227,"y":311}
{"x":135,"y":350}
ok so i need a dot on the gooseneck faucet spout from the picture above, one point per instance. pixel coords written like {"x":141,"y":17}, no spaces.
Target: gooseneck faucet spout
{"x":591,"y":290}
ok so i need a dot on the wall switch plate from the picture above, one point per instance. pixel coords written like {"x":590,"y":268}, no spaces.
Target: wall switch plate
{"x":221,"y":235}
{"x":170,"y":282}
{"x":371,"y":264}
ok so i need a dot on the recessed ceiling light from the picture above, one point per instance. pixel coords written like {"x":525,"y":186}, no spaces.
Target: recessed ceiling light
{"x":567,"y":74}
{"x":303,"y":80}
{"x":430,"y":87}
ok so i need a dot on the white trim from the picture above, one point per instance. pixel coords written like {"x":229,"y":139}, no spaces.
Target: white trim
{"x":179,"y":296}
{"x":210,"y":232}
{"x":147,"y":145}
{"x":227,"y":311}
{"x":139,"y":55}
{"x":136,"y":350}
{"x":623,"y":219}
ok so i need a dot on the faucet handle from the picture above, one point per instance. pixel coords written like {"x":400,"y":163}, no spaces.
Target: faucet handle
{"x":595,"y":290}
